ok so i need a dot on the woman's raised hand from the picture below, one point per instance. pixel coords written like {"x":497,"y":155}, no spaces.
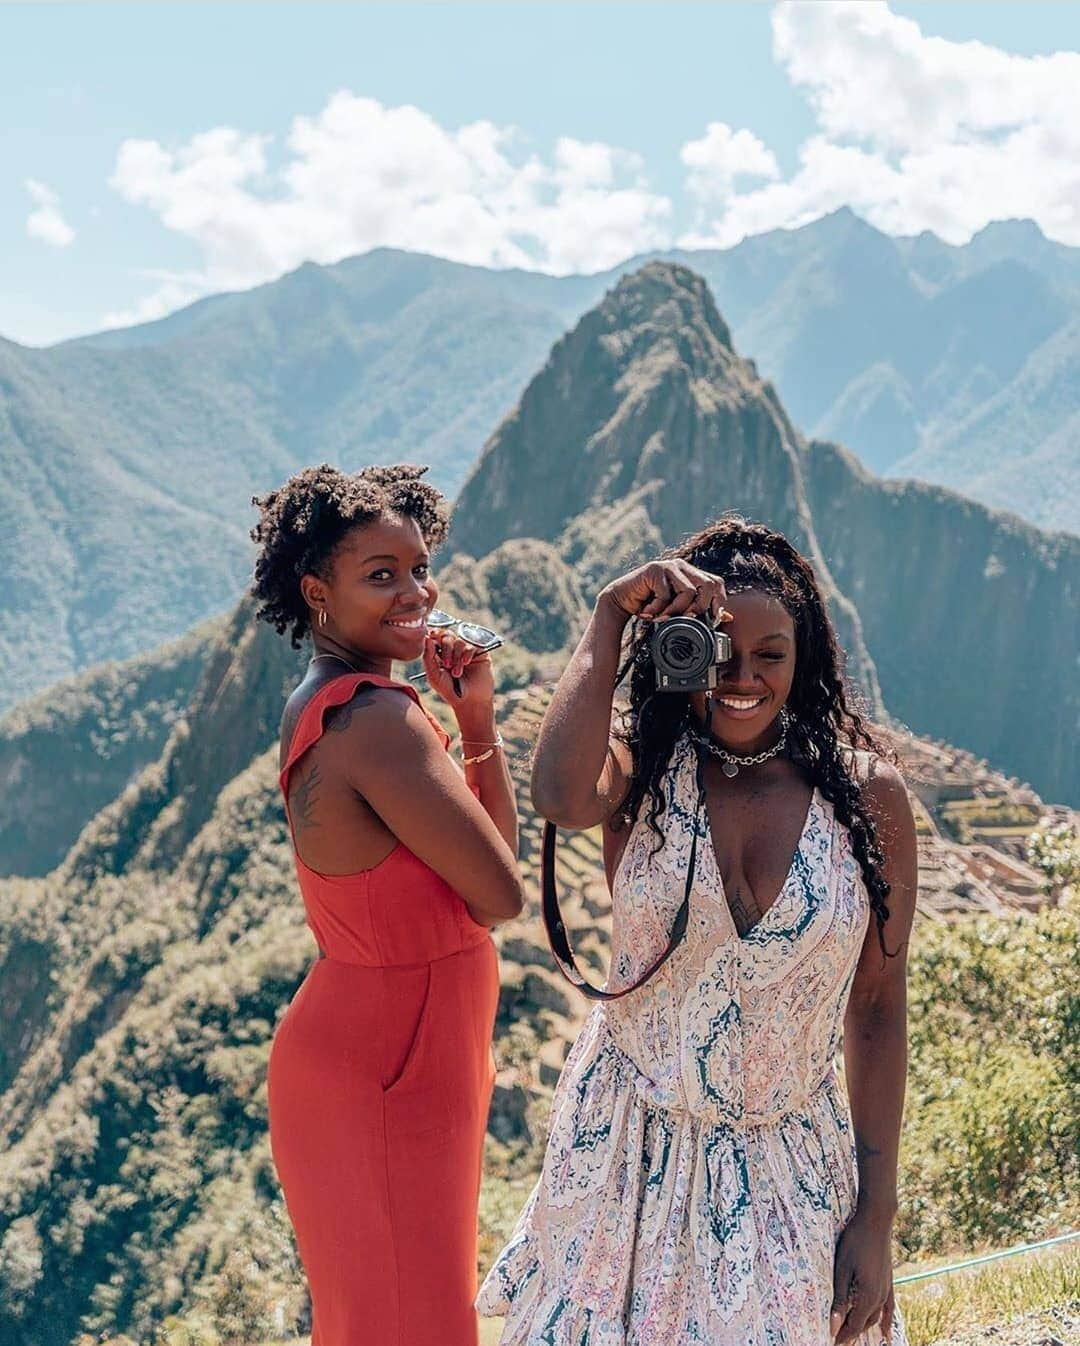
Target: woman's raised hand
{"x":669,"y":588}
{"x":447,"y":656}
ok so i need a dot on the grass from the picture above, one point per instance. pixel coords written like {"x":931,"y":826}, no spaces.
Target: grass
{"x":935,"y":1309}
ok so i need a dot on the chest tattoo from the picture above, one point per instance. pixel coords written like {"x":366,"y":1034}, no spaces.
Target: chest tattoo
{"x":744,"y":910}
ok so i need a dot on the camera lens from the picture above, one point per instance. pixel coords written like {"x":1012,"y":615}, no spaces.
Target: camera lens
{"x":682,"y":648}
{"x":679,"y":650}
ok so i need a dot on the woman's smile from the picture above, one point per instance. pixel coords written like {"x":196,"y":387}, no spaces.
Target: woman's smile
{"x":410,"y":632}
{"x":739,"y":707}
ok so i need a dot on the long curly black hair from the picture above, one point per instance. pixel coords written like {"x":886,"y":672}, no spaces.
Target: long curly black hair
{"x":302,"y":522}
{"x":752,"y":556}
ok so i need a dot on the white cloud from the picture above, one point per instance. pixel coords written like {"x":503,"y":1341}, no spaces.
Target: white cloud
{"x":45,"y":221}
{"x":721,"y":156}
{"x":360,"y":175}
{"x":914,"y":132}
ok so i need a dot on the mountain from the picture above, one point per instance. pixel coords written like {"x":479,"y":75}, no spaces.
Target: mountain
{"x":973,"y":617}
{"x":141,"y":979}
{"x":936,"y":264}
{"x":1039,"y":407}
{"x":644,"y":405}
{"x":837,"y":308}
{"x":385,"y":356}
{"x":128,"y":458}
{"x":645,"y":422}
{"x":69,"y":750}
{"x":107,"y":547}
{"x":892,"y":345}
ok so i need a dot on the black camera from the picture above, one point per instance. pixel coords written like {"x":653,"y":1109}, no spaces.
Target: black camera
{"x":686,"y":653}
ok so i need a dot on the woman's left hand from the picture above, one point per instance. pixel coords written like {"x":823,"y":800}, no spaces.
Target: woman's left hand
{"x":862,"y":1279}
{"x":447,"y":656}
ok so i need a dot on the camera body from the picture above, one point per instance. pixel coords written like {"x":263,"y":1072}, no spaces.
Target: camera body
{"x":686,"y":653}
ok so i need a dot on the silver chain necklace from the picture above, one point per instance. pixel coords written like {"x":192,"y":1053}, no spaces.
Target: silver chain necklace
{"x":730,"y":761}
{"x":334,"y":656}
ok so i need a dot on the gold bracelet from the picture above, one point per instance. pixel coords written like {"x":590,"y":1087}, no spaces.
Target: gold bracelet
{"x":469,"y":761}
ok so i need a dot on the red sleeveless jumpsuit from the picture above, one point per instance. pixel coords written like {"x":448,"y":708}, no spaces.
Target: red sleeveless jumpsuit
{"x":379,"y":1081}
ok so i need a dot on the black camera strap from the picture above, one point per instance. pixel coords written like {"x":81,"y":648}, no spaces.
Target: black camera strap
{"x":556,"y":928}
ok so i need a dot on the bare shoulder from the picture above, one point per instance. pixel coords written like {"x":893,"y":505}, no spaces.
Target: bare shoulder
{"x":884,"y":788}
{"x":380,"y":711}
{"x":381,"y":719}
{"x":370,"y":708}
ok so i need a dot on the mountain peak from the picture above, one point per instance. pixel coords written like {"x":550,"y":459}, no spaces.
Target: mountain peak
{"x":842,"y":224}
{"x":1015,"y":232}
{"x":643,"y":424}
{"x":666,"y":297}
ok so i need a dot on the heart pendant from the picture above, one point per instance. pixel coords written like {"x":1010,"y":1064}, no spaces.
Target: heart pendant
{"x":730,"y":769}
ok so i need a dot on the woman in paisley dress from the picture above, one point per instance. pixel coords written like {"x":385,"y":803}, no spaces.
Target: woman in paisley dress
{"x":709,"y":1176}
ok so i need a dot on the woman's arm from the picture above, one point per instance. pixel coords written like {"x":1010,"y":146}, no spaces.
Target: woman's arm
{"x":491,"y":777}
{"x":446,"y":657}
{"x":875,"y":1061}
{"x":392,"y":757}
{"x":580,"y":774}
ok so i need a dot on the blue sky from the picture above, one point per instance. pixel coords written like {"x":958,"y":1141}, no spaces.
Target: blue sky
{"x":594,"y":136}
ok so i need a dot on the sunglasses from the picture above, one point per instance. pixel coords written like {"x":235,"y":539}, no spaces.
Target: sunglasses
{"x":483,"y":637}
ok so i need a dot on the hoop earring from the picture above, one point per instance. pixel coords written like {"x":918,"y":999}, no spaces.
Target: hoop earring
{"x":322,"y":618}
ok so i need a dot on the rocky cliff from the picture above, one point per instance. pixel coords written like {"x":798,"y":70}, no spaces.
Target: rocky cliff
{"x":973,"y":617}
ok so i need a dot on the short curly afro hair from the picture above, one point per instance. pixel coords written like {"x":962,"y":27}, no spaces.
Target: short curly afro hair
{"x":302,"y":522}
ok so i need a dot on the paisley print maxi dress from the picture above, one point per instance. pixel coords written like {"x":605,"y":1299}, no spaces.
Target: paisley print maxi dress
{"x":701,"y":1163}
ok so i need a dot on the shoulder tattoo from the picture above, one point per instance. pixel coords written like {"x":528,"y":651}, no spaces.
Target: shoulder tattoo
{"x":338,"y":718}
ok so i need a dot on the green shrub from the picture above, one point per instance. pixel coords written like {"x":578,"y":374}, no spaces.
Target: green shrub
{"x":991,"y":1134}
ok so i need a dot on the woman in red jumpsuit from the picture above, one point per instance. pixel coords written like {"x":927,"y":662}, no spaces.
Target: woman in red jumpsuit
{"x":381,"y":1069}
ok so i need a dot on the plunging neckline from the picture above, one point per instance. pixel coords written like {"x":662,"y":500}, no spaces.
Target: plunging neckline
{"x":785,"y":885}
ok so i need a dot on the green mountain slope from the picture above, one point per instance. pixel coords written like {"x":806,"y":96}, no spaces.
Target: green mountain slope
{"x":107,"y":546}
{"x":982,"y":454}
{"x":69,"y":750}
